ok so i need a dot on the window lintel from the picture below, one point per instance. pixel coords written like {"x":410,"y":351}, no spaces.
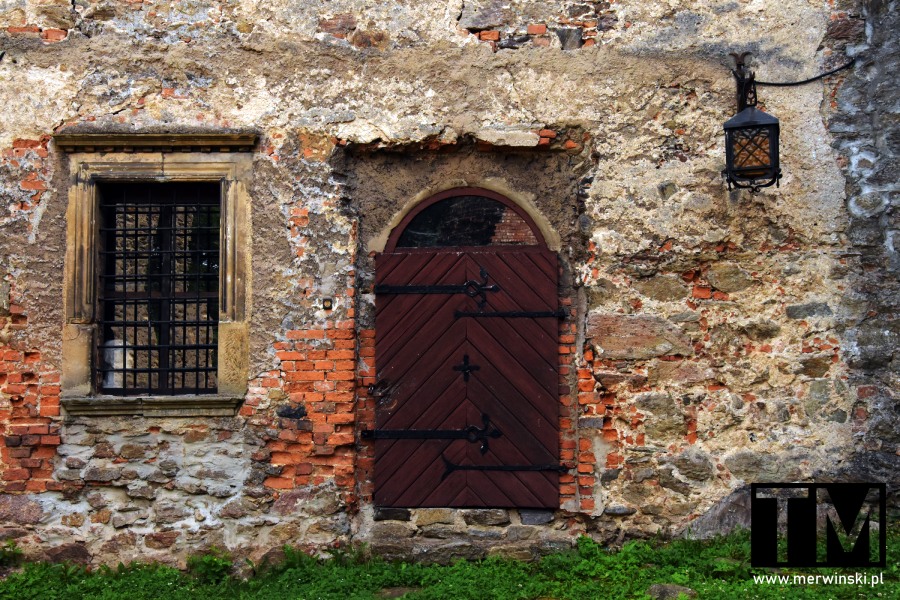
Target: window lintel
{"x":155,"y":142}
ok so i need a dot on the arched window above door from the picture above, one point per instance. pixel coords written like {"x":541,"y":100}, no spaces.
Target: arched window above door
{"x":466,"y":217}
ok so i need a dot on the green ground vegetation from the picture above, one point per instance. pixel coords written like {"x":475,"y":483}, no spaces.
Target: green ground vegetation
{"x":718,"y":568}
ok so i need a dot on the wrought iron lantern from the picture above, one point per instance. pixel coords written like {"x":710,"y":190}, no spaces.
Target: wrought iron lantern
{"x":751,"y":137}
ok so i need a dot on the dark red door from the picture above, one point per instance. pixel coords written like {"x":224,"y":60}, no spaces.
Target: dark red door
{"x":467,"y":362}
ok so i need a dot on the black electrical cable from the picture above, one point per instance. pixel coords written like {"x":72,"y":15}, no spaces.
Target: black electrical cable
{"x":810,"y":80}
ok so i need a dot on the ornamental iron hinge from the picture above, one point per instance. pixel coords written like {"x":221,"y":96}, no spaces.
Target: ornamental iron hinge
{"x":471,"y":434}
{"x":471,"y":288}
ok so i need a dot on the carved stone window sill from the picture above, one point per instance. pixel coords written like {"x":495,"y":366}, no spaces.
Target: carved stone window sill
{"x":152,"y":406}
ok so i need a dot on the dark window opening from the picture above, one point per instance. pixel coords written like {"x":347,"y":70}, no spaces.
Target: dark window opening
{"x":466,"y":221}
{"x":159,"y":288}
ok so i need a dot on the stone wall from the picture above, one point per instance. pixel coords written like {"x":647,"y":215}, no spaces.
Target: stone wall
{"x":864,"y":121}
{"x":715,"y":338}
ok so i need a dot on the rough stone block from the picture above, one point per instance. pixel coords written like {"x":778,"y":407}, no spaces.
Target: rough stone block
{"x":20,"y":509}
{"x":314,"y":501}
{"x":514,"y":43}
{"x":662,"y":287}
{"x":535,"y":517}
{"x":520,"y":532}
{"x":641,"y":475}
{"x":610,"y":475}
{"x":4,"y":296}
{"x":667,"y":419}
{"x":73,"y":462}
{"x":760,"y":330}
{"x":876,"y":344}
{"x":485,"y":533}
{"x":429,"y":516}
{"x":730,"y":513}
{"x":170,"y":513}
{"x":729,"y":277}
{"x":440,"y":532}
{"x":484,"y":14}
{"x":590,"y":423}
{"x":393,"y":529}
{"x":73,"y":553}
{"x":68,"y":475}
{"x":162,"y":540}
{"x":570,"y":38}
{"x":123,"y":519}
{"x":815,"y":366}
{"x":444,"y":553}
{"x":391,"y":514}
{"x":695,"y":464}
{"x":233,"y":510}
{"x":757,"y":467}
{"x":805,"y":311}
{"x":619,"y":510}
{"x":667,"y":479}
{"x":516,"y":552}
{"x":682,"y":372}
{"x":132,"y":451}
{"x":865,"y":232}
{"x":141,"y":490}
{"x":102,"y":474}
{"x":489,"y":516}
{"x":636,"y":337}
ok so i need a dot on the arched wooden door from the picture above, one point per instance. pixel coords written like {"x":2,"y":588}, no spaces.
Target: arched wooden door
{"x":467,"y":358}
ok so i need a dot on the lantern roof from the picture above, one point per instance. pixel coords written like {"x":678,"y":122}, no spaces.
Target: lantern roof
{"x":750,"y":117}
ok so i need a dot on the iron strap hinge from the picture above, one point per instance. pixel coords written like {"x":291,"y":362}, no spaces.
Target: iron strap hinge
{"x":450,"y":467}
{"x":471,"y":434}
{"x":471,"y":288}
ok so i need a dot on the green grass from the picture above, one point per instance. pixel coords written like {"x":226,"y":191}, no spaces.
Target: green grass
{"x":716,"y":569}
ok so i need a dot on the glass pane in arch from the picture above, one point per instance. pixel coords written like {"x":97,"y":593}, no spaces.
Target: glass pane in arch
{"x":467,"y":221}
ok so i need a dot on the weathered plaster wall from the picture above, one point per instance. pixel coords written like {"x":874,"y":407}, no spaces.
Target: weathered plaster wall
{"x":716,"y":338}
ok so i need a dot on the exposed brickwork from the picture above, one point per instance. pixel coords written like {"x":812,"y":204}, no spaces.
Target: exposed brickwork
{"x":313,"y":397}
{"x":512,"y":229}
{"x":571,"y":26}
{"x":29,"y":411}
{"x":569,"y":490}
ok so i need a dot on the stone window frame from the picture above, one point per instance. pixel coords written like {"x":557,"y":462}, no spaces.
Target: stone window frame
{"x":96,"y":159}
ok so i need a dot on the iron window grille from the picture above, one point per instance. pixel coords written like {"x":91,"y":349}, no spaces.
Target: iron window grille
{"x":159,"y":288}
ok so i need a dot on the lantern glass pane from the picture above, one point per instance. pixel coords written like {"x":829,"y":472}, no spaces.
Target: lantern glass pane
{"x":751,"y":151}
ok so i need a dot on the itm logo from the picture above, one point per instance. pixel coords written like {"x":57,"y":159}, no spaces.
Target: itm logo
{"x":824,"y":525}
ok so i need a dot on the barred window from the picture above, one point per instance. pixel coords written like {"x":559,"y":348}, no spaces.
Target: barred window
{"x":159,"y":288}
